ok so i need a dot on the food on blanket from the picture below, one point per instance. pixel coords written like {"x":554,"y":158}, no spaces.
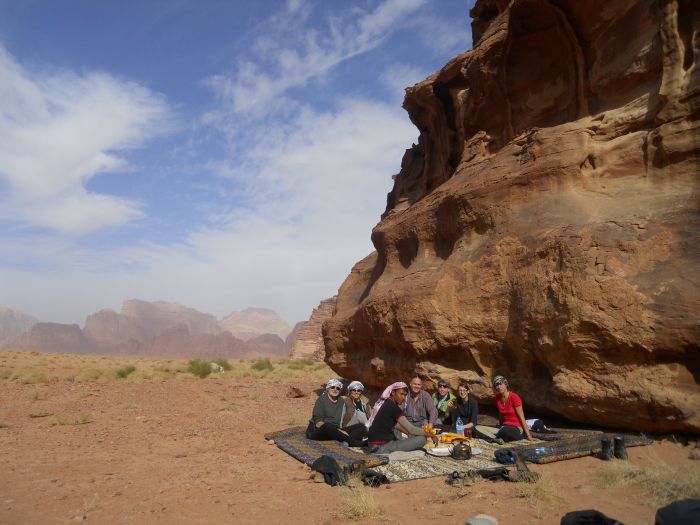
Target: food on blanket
{"x":451,"y":437}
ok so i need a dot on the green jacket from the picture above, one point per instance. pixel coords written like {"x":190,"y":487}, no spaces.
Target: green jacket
{"x":442,"y":407}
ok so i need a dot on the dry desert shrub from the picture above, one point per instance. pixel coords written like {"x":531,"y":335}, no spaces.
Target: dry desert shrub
{"x":663,"y":483}
{"x":298,"y":364}
{"x":262,"y":365}
{"x":88,"y":374}
{"x":223,"y":363}
{"x":70,"y":419}
{"x":200,"y":368}
{"x":358,"y":501}
{"x":2,"y":422}
{"x":298,"y":420}
{"x":34,"y":395}
{"x":541,"y":495}
{"x":6,"y":373}
{"x":124,"y":371}
{"x":29,"y":376}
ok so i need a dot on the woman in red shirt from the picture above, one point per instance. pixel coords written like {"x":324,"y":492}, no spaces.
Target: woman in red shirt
{"x":510,"y":409}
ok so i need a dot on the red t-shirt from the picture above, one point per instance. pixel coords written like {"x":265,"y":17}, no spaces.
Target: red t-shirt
{"x":507,"y":410}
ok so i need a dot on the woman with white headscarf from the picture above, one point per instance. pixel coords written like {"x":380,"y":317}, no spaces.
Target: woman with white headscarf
{"x":357,"y":409}
{"x":327,"y":417}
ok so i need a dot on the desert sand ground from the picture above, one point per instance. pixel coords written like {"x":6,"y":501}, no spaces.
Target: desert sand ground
{"x":78,"y":443}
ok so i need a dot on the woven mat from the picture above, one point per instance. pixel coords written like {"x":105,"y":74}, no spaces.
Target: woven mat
{"x":574,"y":446}
{"x":430,"y":466}
{"x":294,"y":442}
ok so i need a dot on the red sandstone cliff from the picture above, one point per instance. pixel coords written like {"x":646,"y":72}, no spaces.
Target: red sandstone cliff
{"x":308,"y":343}
{"x":547,"y":224}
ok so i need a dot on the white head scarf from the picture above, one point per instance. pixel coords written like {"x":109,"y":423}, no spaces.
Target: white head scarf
{"x":385,"y":395}
{"x":334,"y":382}
{"x":356,"y":385}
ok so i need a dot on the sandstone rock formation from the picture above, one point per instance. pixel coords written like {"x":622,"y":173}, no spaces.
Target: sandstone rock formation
{"x":547,"y":224}
{"x":252,"y":322}
{"x":292,"y":337}
{"x":308,"y":343}
{"x":13,"y":323}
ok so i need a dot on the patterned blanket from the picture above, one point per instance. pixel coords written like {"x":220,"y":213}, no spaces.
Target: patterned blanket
{"x":546,"y":448}
{"x":294,"y":442}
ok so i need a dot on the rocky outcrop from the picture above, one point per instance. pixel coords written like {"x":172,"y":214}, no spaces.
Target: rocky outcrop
{"x":13,"y":323}
{"x":308,"y":343}
{"x":252,"y":322}
{"x":547,"y":224}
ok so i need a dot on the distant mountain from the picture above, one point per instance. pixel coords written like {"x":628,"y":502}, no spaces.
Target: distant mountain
{"x":55,"y":337}
{"x":14,"y":323}
{"x":252,"y":322}
{"x":150,"y":329}
{"x":142,"y":320}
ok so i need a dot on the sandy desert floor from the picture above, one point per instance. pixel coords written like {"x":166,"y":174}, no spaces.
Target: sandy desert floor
{"x":77,"y":444}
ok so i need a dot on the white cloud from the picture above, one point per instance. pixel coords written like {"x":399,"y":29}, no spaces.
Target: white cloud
{"x":400,"y":76}
{"x":446,"y":35}
{"x":312,"y":202}
{"x":290,"y":60}
{"x":57,"y":131}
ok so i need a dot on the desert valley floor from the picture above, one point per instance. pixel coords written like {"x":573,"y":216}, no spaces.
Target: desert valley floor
{"x":77,"y":443}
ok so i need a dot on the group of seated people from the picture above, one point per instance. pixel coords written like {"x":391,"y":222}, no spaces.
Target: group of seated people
{"x":402,"y":418}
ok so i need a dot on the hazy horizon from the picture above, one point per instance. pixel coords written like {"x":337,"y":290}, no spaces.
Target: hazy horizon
{"x":217,"y":155}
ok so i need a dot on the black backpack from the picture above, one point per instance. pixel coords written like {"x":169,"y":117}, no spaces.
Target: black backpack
{"x":332,"y":472}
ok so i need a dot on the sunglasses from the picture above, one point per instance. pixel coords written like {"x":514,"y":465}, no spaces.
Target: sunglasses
{"x":356,"y":390}
{"x":334,"y":388}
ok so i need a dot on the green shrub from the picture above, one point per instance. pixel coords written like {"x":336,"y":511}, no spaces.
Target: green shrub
{"x":223,"y":363}
{"x":199,"y":367}
{"x":124,"y":371}
{"x":299,"y":364}
{"x":262,"y":364}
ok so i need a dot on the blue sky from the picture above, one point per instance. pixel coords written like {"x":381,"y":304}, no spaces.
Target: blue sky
{"x":220,"y":154}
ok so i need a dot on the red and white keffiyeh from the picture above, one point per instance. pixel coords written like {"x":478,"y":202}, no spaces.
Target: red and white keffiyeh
{"x":385,"y":395}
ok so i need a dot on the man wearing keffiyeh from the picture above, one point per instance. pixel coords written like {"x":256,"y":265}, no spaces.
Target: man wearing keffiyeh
{"x":387,"y":418}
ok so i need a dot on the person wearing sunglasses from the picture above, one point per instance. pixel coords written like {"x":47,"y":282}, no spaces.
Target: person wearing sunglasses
{"x":327,"y":417}
{"x":357,"y":408}
{"x":444,"y":401}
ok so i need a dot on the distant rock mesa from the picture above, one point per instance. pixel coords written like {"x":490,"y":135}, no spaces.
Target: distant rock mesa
{"x":253,"y":322}
{"x":14,"y":323}
{"x":547,"y":224}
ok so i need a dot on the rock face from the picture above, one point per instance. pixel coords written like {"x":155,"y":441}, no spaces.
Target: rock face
{"x":252,"y":322}
{"x":13,"y":323}
{"x":547,"y":224}
{"x":308,"y":343}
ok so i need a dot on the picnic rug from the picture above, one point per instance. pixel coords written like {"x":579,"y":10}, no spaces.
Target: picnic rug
{"x":427,"y":466}
{"x":294,"y":442}
{"x":572,"y":445}
{"x":547,"y":448}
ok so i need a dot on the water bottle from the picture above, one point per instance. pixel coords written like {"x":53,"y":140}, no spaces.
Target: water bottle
{"x":459,"y":426}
